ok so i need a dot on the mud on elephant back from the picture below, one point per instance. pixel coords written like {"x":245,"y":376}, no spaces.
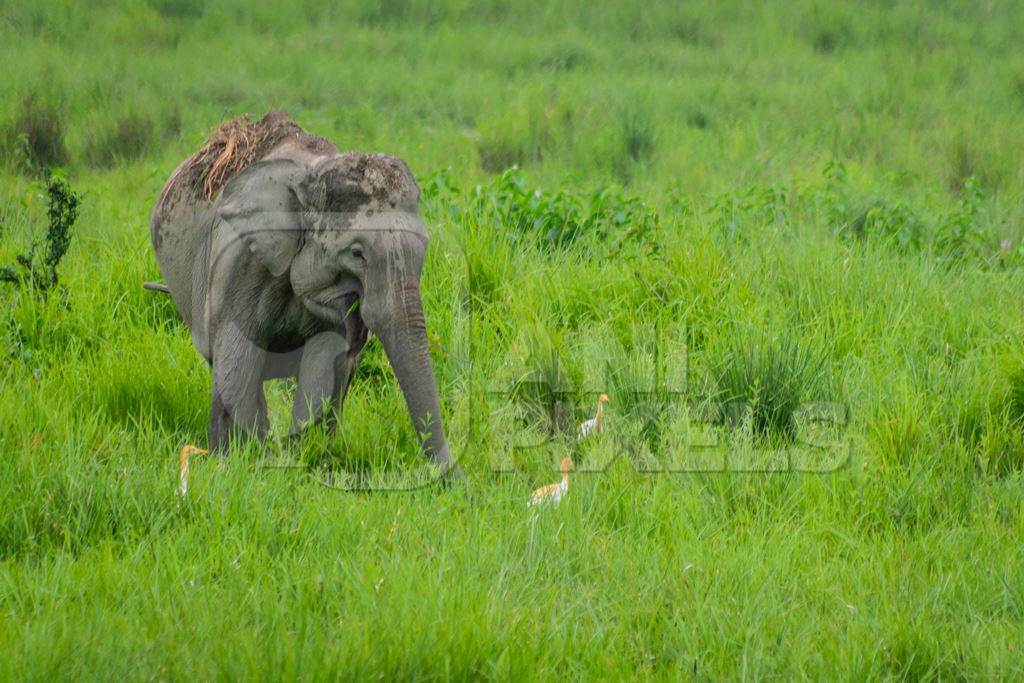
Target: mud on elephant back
{"x":281,"y":254}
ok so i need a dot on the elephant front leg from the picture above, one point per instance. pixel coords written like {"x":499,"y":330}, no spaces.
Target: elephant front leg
{"x":238,"y":407}
{"x":323,"y":375}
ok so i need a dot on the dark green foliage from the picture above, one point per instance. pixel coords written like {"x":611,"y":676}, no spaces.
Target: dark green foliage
{"x":956,"y":235}
{"x":41,"y":269}
{"x":698,"y":119}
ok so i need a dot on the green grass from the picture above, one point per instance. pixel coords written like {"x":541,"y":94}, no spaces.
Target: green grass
{"x":715,"y":203}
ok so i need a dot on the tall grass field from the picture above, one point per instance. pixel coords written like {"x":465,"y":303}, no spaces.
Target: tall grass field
{"x":784,"y":237}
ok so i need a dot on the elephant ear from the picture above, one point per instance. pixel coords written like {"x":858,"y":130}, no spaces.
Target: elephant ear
{"x":260,"y":206}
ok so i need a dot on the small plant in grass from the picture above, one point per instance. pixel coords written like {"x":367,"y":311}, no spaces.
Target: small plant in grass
{"x":39,"y":265}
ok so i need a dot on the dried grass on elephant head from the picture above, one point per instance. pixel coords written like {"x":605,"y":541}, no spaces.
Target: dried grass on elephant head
{"x":236,"y":144}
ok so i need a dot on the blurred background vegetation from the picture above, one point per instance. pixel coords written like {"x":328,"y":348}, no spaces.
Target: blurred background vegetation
{"x":695,"y":96}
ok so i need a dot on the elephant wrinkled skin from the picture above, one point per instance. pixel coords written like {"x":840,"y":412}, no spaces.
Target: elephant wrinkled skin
{"x":283,"y":274}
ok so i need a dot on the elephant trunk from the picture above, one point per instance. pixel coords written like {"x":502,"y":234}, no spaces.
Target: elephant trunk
{"x":404,"y":337}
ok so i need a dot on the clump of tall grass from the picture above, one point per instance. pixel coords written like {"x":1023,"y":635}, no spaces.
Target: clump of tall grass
{"x":1015,"y":399}
{"x":638,"y":130}
{"x":549,"y":378}
{"x":1000,"y":441}
{"x":531,"y":127}
{"x":128,"y":137}
{"x":516,"y":142}
{"x":568,"y":56}
{"x":766,"y":379}
{"x":35,"y":140}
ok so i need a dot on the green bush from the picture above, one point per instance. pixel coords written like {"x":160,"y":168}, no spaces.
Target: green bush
{"x":39,"y":265}
{"x":604,"y":216}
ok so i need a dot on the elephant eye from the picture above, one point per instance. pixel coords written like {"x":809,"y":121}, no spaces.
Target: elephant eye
{"x":357,"y":252}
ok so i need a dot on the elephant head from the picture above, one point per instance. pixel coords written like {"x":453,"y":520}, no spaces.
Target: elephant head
{"x":347,"y":233}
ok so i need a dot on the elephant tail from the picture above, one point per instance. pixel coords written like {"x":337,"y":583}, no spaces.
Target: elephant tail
{"x":156,"y":287}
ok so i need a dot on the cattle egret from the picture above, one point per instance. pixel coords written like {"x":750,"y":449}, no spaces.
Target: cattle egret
{"x":183,"y":460}
{"x":594,"y":423}
{"x":552,"y":493}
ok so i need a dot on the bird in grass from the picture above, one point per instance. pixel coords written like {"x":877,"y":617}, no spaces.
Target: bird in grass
{"x":552,"y":493}
{"x":183,"y":460}
{"x":593,"y":425}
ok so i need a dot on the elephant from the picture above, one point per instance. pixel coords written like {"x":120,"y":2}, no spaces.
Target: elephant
{"x":282,"y":255}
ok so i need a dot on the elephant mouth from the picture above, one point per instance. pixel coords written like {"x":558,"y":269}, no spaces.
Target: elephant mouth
{"x":334,"y":307}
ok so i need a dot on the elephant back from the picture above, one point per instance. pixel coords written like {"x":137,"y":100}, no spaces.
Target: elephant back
{"x":233,"y":147}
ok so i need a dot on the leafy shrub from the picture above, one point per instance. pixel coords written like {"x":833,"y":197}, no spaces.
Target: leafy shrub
{"x":894,"y":222}
{"x":960,"y":235}
{"x":562,"y":218}
{"x":755,"y":208}
{"x":41,"y":271}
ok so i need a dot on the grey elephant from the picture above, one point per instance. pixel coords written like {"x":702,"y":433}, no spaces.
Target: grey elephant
{"x":281,"y":254}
